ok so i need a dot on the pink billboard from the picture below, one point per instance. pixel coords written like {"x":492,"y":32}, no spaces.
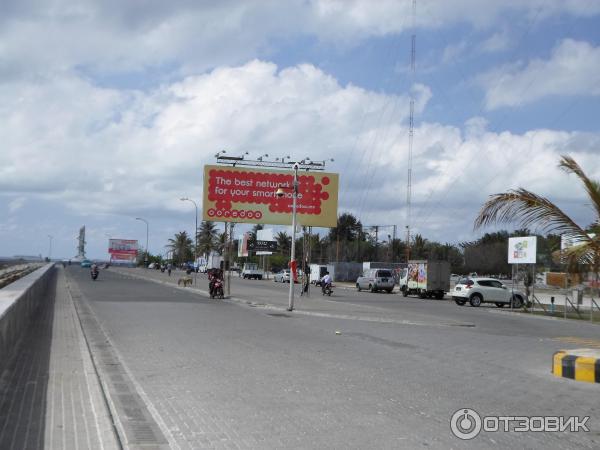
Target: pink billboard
{"x":123,"y":249}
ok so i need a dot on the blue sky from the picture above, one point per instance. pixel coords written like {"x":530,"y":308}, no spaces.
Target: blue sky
{"x":114,"y":116}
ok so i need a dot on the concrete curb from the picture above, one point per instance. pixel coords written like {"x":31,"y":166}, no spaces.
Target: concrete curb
{"x":578,"y":364}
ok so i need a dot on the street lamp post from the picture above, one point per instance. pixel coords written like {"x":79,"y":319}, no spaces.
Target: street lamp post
{"x":147,"y":228}
{"x":50,"y":247}
{"x":280,"y":193}
{"x":195,"y":237}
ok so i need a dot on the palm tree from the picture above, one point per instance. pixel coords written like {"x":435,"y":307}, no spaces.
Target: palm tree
{"x":221,"y":242}
{"x":284,"y":242}
{"x":419,"y":247}
{"x":207,"y":237}
{"x":181,"y":246}
{"x":255,"y":229}
{"x":529,"y":209}
{"x":348,"y":228}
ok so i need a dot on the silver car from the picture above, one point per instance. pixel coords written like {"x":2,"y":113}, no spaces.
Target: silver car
{"x":477,"y":290}
{"x":282,"y":277}
{"x":376,"y":280}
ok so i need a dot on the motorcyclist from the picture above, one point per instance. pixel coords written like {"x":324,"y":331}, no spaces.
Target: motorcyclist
{"x":326,"y":281}
{"x":213,"y":276}
{"x":94,"y":270}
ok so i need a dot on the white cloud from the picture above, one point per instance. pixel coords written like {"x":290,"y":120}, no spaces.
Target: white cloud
{"x":497,"y":42}
{"x":123,"y":37}
{"x":103,"y":152}
{"x":572,"y":69}
{"x":454,"y":51}
{"x":16,"y":204}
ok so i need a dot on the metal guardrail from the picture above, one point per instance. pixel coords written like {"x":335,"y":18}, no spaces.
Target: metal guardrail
{"x":568,"y":306}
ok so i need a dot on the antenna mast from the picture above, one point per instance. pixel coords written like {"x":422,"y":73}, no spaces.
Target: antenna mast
{"x":411,"y":129}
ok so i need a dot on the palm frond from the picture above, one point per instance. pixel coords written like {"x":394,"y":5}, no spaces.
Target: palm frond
{"x":529,"y":210}
{"x":592,"y":187}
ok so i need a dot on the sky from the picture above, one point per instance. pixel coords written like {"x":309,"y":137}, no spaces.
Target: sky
{"x":109,"y":110}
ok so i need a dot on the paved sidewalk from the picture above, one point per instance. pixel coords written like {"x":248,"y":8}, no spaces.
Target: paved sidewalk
{"x":50,"y":397}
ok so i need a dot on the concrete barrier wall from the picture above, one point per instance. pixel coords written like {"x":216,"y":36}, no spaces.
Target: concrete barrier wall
{"x":18,"y":303}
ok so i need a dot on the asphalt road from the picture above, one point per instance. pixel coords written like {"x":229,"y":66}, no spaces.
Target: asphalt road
{"x":357,"y":370}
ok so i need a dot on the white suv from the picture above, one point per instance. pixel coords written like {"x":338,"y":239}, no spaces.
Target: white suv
{"x":479,"y":290}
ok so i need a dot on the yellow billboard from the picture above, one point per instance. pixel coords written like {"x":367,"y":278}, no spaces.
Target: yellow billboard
{"x":238,"y":194}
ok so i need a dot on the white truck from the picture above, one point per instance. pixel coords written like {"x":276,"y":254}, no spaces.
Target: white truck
{"x":425,"y":279}
{"x":252,"y":271}
{"x":317,"y":271}
{"x":212,"y":261}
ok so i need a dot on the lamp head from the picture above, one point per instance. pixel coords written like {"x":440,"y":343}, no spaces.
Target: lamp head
{"x":279,"y":192}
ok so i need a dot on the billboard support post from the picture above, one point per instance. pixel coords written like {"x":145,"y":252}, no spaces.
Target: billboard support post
{"x":293,"y":252}
{"x":521,"y":250}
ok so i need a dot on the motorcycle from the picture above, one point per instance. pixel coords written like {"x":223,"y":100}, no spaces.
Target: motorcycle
{"x":327,"y":289}
{"x":94,"y":273}
{"x":217,"y":289}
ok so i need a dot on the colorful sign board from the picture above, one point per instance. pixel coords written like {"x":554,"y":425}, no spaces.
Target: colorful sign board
{"x":262,"y":246}
{"x":417,"y":275}
{"x":522,"y":250}
{"x":243,"y":245}
{"x":123,"y":249}
{"x":265,"y":235}
{"x":237,"y":194}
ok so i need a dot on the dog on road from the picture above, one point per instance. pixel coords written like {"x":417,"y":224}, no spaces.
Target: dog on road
{"x":186,"y":281}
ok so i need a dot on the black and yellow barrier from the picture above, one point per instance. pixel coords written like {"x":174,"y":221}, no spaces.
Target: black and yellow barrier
{"x":579,"y":365}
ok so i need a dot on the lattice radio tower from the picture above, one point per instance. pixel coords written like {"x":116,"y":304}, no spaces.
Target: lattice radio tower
{"x":411,"y":128}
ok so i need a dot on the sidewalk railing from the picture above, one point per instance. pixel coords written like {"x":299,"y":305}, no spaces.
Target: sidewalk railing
{"x":569,"y":307}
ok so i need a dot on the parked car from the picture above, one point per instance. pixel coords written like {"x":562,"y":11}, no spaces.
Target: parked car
{"x":282,"y":277}
{"x":486,"y":290}
{"x":86,"y":263}
{"x":376,"y":280}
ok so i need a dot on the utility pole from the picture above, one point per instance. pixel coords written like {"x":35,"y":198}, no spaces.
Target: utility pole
{"x":376,"y":228}
{"x":376,"y":241}
{"x":227,"y":264}
{"x":147,"y":228}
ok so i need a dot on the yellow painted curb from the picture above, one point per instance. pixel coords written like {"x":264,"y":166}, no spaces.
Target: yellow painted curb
{"x":578,"y":365}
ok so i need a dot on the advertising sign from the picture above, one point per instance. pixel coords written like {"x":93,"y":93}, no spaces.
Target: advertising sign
{"x":243,"y":245}
{"x":235,"y":194}
{"x":417,"y":275}
{"x":266,"y":235}
{"x":262,"y":246}
{"x":522,"y":250}
{"x":123,"y":249}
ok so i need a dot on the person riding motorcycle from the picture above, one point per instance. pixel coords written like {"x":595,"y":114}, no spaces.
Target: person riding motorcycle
{"x":326,"y":281}
{"x":213,"y":276}
{"x":94,"y":271}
